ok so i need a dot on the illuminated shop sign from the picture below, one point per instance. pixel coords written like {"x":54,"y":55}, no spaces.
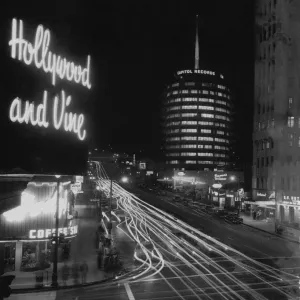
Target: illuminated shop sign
{"x":220,"y":176}
{"x":261,"y":194}
{"x":205,"y":72}
{"x":181,"y":173}
{"x":44,"y":233}
{"x":60,"y":68}
{"x":76,"y":187}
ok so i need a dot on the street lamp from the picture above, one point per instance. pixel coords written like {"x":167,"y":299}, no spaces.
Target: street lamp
{"x":237,"y":179}
{"x":54,"y":272}
{"x":124,"y":179}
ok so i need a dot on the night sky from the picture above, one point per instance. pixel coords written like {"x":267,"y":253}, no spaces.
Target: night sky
{"x":136,"y":46}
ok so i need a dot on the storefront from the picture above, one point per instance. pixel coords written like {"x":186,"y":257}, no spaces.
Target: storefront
{"x":26,"y":230}
{"x":288,"y":213}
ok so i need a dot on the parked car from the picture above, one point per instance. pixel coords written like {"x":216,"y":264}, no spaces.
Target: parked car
{"x":234,"y":219}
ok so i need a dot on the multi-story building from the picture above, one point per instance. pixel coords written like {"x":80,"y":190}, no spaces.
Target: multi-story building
{"x":276,"y":136}
{"x":197,"y":119}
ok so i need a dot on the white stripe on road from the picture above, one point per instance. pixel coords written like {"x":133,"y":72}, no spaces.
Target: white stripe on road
{"x":128,"y":291}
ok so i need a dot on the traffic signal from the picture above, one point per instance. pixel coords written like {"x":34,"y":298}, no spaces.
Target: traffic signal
{"x":53,"y":239}
{"x":5,"y":282}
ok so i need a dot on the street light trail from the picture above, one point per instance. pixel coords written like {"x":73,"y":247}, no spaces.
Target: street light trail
{"x":168,"y":243}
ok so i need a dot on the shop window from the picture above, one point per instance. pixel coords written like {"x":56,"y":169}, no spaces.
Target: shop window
{"x":292,"y":214}
{"x":290,"y":122}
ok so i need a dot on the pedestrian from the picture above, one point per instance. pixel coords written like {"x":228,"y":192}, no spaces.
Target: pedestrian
{"x":75,"y":272}
{"x":84,"y":268}
{"x":65,"y":273}
{"x":254,"y":215}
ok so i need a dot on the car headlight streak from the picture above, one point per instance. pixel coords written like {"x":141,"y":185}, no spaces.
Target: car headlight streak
{"x":148,"y":224}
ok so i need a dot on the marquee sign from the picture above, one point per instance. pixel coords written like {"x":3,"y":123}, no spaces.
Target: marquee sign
{"x":44,"y":233}
{"x":38,"y":53}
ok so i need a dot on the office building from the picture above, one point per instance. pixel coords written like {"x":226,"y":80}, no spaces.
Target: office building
{"x":276,"y":135}
{"x":197,"y":119}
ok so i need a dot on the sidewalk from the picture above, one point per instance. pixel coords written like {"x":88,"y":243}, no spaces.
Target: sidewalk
{"x":265,"y":225}
{"x":83,"y":248}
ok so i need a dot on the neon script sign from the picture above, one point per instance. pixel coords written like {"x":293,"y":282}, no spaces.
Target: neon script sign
{"x":38,"y":53}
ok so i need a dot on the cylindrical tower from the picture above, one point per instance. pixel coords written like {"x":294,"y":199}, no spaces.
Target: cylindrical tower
{"x":197,"y":120}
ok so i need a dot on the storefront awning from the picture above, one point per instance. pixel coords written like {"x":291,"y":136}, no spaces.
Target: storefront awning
{"x":261,"y":203}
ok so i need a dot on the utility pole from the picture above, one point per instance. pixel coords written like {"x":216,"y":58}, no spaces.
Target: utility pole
{"x":109,"y":227}
{"x":54,"y":272}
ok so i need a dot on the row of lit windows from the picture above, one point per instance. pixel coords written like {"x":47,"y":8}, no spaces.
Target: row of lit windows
{"x":270,"y":124}
{"x":193,"y":146}
{"x":264,"y":144}
{"x":194,"y":138}
{"x":204,"y":162}
{"x":206,"y":154}
{"x":291,"y":122}
{"x":203,"y":92}
{"x":201,"y":107}
{"x":195,"y":99}
{"x":222,"y":87}
{"x":203,"y":123}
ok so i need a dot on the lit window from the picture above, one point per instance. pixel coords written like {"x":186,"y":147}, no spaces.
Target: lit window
{"x":174,"y":162}
{"x":299,"y":141}
{"x":189,"y":146}
{"x":222,"y":110}
{"x":173,"y":108}
{"x":220,"y":94}
{"x":205,"y":130}
{"x":175,"y":84}
{"x":172,"y":124}
{"x":220,"y":155}
{"x":188,"y":154}
{"x":175,"y":92}
{"x":205,"y":138}
{"x":290,"y":102}
{"x":220,"y":102}
{"x":205,"y":154}
{"x":189,"y":138}
{"x":184,"y":91}
{"x":172,"y":154}
{"x":211,"y":92}
{"x":267,"y":145}
{"x":194,"y":91}
{"x":206,"y":123}
{"x":189,"y":122}
{"x":189,"y":115}
{"x":173,"y":139}
{"x":206,"y":107}
{"x":205,"y":100}
{"x":190,"y":162}
{"x":172,"y":131}
{"x":290,"y":122}
{"x":205,"y":162}
{"x":188,"y":130}
{"x":221,"y":140}
{"x":207,"y":146}
{"x":189,"y":107}
{"x":190,"y":83}
{"x":220,"y":132}
{"x":189,"y":99}
{"x":205,"y":92}
{"x":207,"y":115}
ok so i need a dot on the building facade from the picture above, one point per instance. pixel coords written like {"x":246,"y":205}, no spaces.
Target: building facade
{"x":276,"y":135}
{"x":197,"y":120}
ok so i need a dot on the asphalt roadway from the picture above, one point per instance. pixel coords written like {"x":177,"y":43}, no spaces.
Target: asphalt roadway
{"x":167,"y":285}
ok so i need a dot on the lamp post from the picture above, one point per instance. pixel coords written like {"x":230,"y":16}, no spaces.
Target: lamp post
{"x":55,"y":258}
{"x":237,"y":179}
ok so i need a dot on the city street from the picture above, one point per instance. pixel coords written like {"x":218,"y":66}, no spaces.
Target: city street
{"x":178,"y":261}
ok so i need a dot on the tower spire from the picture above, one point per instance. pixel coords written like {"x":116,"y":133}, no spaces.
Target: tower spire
{"x":197,"y":46}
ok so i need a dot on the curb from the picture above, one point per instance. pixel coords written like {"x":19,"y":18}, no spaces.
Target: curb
{"x":274,"y":234}
{"x":50,"y":288}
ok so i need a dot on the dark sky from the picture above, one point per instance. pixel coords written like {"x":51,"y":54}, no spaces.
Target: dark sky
{"x":136,"y":46}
